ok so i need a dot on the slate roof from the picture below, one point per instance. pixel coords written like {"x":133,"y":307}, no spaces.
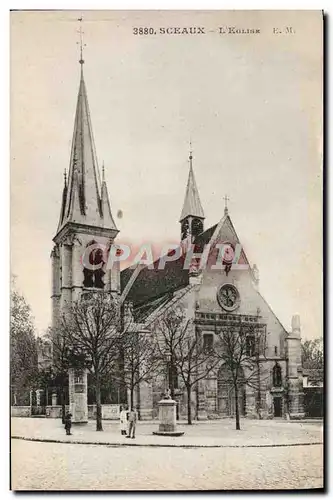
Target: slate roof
{"x":152,"y":283}
{"x":155,"y":283}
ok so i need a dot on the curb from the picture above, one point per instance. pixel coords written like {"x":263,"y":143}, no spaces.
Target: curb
{"x":152,"y":445}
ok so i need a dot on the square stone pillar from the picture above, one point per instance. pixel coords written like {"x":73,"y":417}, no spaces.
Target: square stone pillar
{"x":250,"y":403}
{"x":78,"y":395}
{"x":202,"y":409}
{"x":54,"y":399}
{"x":146,"y":400}
{"x":294,"y":371}
{"x":38,"y":394}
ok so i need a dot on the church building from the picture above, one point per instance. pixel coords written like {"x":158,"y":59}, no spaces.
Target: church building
{"x":213,"y":297}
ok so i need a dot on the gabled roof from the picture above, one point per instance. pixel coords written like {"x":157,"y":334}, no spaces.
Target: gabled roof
{"x":224,"y":232}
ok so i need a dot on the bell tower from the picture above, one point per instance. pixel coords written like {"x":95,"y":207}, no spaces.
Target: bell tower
{"x":192,"y":216}
{"x":85,"y":220}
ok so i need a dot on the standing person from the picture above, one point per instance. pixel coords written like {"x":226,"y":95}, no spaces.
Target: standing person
{"x":123,"y":420}
{"x":68,"y":424}
{"x":132,"y":419}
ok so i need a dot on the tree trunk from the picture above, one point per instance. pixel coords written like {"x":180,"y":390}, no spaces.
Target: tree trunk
{"x":132,"y":397}
{"x":99,"y":426}
{"x":189,"y":415}
{"x":237,"y":408}
{"x":63,"y":405}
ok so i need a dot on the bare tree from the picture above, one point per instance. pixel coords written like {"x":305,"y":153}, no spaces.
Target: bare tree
{"x":240,"y":346}
{"x":181,"y":342}
{"x":141,"y":360}
{"x":92,"y":329}
{"x":62,"y":359}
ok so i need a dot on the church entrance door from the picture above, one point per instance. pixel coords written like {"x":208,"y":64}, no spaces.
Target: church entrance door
{"x":277,"y":407}
{"x":226,"y":399}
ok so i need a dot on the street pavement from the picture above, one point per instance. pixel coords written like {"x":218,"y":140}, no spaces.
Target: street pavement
{"x":211,"y":455}
{"x":218,"y":433}
{"x":54,"y":466}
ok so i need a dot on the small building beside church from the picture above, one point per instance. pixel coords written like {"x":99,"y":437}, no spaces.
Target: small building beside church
{"x":212,"y":297}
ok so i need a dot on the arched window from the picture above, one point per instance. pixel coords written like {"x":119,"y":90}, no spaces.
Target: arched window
{"x":197,"y":227}
{"x":93,"y":278}
{"x":250,"y":345}
{"x":208,"y":342}
{"x":173,"y":375}
{"x":277,"y":375}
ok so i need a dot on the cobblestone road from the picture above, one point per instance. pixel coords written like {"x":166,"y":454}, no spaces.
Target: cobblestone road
{"x":87,"y":467}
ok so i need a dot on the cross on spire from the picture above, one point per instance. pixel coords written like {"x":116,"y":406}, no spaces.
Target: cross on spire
{"x":81,"y":33}
{"x":191,"y":151}
{"x":226,"y":199}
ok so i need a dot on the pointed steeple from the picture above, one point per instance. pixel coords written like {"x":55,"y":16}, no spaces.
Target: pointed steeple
{"x":64,"y":197}
{"x":82,"y":202}
{"x":192,"y":204}
{"x":105,"y":203}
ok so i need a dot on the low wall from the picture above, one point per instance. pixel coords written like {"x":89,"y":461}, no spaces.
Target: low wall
{"x":21,"y":411}
{"x":55,"y":411}
{"x":109,"y":412}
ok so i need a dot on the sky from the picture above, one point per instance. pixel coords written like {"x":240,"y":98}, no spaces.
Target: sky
{"x":250,"y":103}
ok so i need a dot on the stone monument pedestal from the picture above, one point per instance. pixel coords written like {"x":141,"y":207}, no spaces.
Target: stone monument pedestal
{"x":167,"y":418}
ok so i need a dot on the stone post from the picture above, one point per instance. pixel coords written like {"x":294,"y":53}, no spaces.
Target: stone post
{"x":54,"y":399}
{"x":146,"y":400}
{"x":294,"y":371}
{"x":78,"y":395}
{"x":38,"y":391}
{"x":250,"y":408}
{"x":201,"y":410}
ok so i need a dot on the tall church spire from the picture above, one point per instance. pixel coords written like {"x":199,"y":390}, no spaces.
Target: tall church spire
{"x":83,"y":200}
{"x":192,"y":204}
{"x":192,"y":215}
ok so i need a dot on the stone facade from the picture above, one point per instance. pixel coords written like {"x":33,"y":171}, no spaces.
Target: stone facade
{"x":280,"y":391}
{"x":86,"y":218}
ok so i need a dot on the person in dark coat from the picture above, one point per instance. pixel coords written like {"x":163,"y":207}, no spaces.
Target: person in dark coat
{"x":68,"y":423}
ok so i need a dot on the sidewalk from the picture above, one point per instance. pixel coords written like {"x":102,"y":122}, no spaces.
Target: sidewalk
{"x":211,"y":434}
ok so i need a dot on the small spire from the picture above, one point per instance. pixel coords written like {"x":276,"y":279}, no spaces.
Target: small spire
{"x":192,"y":205}
{"x":65,"y":177}
{"x":226,"y":199}
{"x":81,"y":33}
{"x":103,"y":172}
